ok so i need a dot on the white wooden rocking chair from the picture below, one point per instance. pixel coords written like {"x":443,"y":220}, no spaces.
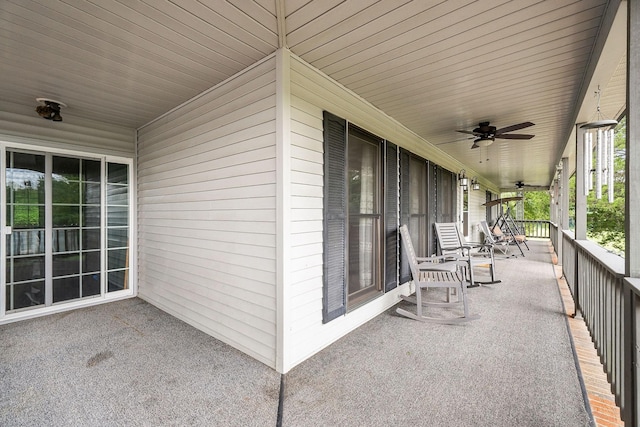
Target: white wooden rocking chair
{"x":434,"y":272}
{"x":452,"y":243}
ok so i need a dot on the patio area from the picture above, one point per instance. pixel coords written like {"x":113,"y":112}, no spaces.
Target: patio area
{"x":128,"y":363}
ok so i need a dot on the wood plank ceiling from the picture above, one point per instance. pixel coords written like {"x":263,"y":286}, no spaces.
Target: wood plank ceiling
{"x":435,"y":66}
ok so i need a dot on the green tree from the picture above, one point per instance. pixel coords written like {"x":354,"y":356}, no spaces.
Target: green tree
{"x":536,"y":205}
{"x":605,"y":221}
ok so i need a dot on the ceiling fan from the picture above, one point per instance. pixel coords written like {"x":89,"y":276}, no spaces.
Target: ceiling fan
{"x":520,"y":185}
{"x":486,"y":134}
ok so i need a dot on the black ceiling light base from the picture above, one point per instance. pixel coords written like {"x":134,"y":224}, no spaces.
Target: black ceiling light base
{"x":50,"y":110}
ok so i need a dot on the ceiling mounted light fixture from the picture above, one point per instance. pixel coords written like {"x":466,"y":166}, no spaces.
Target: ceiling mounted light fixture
{"x":50,"y":110}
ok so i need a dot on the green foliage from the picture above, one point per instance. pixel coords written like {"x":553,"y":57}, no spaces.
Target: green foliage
{"x":536,"y":205}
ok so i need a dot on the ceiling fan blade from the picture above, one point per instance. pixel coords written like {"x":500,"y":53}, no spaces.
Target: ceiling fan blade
{"x":514,"y":136}
{"x":468,"y":132}
{"x":514,"y":127}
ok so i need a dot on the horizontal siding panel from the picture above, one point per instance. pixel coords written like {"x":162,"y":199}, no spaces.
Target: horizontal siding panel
{"x":207,"y":216}
{"x":242,"y":276}
{"x":267,"y":190}
{"x":306,"y":202}
{"x":231,"y":284}
{"x":199,"y":245}
{"x":186,"y":145}
{"x":218,"y":236}
{"x":231,"y":146}
{"x":306,"y":166}
{"x":311,"y":273}
{"x":307,"y":142}
{"x":247,"y":303}
{"x":235,"y":333}
{"x":302,"y":190}
{"x":302,"y":251}
{"x":299,"y":239}
{"x":304,"y":263}
{"x":303,"y":153}
{"x":305,"y":226}
{"x":304,"y":116}
{"x":306,"y":214}
{"x":245,"y":182}
{"x":225,"y":115}
{"x":243,"y":266}
{"x":197,"y":205}
{"x":298,"y":177}
{"x":213,"y":180}
{"x":236,"y":226}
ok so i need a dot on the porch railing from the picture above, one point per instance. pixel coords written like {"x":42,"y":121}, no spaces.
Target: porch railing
{"x":610,"y":306}
{"x":534,"y":227}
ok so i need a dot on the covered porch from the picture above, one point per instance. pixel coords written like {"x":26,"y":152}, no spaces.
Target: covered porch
{"x":201,"y":128}
{"x":128,"y":363}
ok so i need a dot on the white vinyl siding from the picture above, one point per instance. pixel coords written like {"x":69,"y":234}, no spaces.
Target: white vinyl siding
{"x":23,"y":125}
{"x":207,"y":212}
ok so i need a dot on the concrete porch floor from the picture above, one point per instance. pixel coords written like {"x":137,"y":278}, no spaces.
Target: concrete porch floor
{"x":128,"y":363}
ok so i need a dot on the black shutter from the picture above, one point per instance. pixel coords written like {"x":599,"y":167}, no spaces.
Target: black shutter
{"x":334,"y":234}
{"x":391,"y":218}
{"x":405,"y":272}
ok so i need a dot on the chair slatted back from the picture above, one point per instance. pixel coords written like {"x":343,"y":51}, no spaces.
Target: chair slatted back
{"x":407,"y":245}
{"x":448,"y":237}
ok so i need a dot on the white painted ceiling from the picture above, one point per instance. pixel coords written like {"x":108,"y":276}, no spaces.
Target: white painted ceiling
{"x":435,"y":66}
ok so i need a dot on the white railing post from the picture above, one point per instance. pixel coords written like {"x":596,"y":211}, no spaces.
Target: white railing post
{"x":630,"y":411}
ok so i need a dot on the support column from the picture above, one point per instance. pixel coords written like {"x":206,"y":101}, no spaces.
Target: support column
{"x":581,"y":183}
{"x":631,"y":386}
{"x":283,"y":219}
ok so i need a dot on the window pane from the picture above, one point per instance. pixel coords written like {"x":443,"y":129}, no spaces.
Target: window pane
{"x":118,"y":237}
{"x":91,"y":262}
{"x":65,"y":192}
{"x":25,"y":295}
{"x":27,"y":268}
{"x":91,"y":170}
{"x":116,"y":280}
{"x":26,"y":216}
{"x":117,"y":216}
{"x":91,"y":216}
{"x":66,"y":216}
{"x":117,"y":173}
{"x":26,"y":242}
{"x":66,"y":240}
{"x":364,"y":243}
{"x":90,"y":238}
{"x":66,"y":288}
{"x":116,"y":258}
{"x":66,"y":265}
{"x":91,"y":284}
{"x":65,"y":168}
{"x":117,"y":195}
{"x":91,"y":193}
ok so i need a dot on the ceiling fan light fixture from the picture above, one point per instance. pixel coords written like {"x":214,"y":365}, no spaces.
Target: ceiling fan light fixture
{"x":483,"y":142}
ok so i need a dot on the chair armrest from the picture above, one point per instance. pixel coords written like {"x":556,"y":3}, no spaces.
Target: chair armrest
{"x":435,"y":259}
